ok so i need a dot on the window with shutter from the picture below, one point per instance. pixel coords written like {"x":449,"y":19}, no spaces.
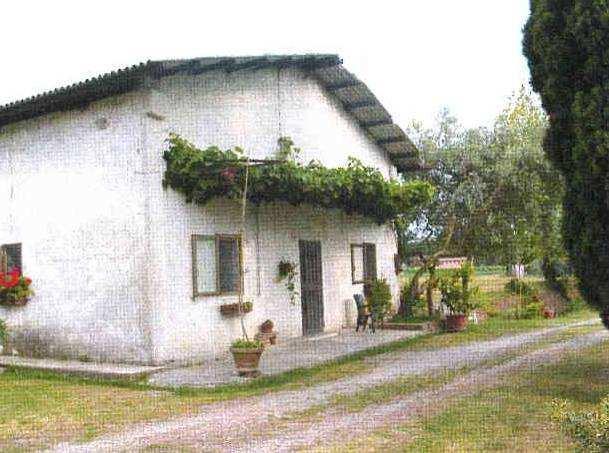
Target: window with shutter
{"x":363,"y":262}
{"x":216,"y":264}
{"x":369,"y":262}
{"x":12,"y":254}
{"x":228,"y":264}
{"x":357,"y":263}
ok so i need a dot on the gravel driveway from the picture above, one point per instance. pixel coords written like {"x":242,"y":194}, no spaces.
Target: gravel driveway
{"x":228,"y":426}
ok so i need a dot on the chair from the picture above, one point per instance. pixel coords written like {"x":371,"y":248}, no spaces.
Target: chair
{"x":363,"y":314}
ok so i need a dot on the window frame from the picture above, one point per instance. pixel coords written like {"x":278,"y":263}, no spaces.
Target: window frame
{"x":4,"y":249}
{"x":195,"y":273}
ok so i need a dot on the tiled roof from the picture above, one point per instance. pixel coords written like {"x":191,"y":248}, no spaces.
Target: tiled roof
{"x":354,"y":95}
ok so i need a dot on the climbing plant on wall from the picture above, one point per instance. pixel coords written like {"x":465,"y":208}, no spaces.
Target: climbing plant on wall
{"x":204,"y":174}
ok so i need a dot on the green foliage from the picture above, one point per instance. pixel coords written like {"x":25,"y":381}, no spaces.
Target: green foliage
{"x":575,"y":304}
{"x":379,"y":300}
{"x":3,"y":332}
{"x":242,"y":343}
{"x":456,"y":292}
{"x":566,"y":45}
{"x":560,"y":278}
{"x":589,"y":429}
{"x":286,"y":270}
{"x":528,"y":309}
{"x":497,"y":185}
{"x":530,"y":305}
{"x":520,"y":287}
{"x":204,"y":174}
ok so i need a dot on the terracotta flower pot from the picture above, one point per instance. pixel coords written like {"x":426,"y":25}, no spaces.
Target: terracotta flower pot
{"x":549,"y":313}
{"x":266,"y":326}
{"x":247,"y":360}
{"x":233,"y":309}
{"x":456,"y":323}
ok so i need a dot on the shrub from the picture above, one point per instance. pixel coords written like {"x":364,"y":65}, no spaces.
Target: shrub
{"x":520,"y":287}
{"x":589,"y":429}
{"x":379,"y":300}
{"x":457,"y":295}
{"x":575,"y":304}
{"x":528,"y":310}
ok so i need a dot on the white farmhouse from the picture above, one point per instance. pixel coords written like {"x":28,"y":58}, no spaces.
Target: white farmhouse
{"x":126,"y":271}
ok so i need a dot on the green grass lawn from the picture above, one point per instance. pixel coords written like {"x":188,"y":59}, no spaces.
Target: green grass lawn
{"x":38,"y":409}
{"x":516,"y":416}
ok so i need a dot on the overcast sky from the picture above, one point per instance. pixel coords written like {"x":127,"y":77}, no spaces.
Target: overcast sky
{"x":417,"y":56}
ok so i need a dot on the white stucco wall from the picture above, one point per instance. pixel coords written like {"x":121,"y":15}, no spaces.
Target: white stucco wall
{"x":71,"y":192}
{"x":252,"y":110}
{"x":110,"y":251}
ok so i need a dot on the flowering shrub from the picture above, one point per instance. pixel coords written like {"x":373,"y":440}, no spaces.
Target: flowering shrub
{"x":204,"y":174}
{"x":14,"y":288}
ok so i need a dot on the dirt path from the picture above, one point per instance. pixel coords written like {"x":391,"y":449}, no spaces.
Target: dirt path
{"x":228,"y":426}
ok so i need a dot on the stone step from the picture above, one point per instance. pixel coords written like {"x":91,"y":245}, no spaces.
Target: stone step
{"x":82,"y":369}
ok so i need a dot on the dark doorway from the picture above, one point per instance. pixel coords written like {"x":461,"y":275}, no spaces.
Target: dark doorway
{"x":311,"y":287}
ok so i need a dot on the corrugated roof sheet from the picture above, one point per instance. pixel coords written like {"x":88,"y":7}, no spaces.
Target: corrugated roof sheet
{"x":353,"y":94}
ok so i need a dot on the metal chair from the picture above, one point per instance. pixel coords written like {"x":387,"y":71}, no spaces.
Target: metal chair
{"x":363,"y":314}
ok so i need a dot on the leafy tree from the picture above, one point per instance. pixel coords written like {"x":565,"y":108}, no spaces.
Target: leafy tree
{"x":495,"y":188}
{"x":566,"y":44}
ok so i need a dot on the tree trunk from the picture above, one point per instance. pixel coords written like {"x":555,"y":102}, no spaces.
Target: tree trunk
{"x":429,"y":263}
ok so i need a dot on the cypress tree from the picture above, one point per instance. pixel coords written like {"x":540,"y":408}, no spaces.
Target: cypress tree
{"x":566,"y":43}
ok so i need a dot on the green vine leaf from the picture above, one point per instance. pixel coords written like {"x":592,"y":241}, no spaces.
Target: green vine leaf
{"x":203,"y":174}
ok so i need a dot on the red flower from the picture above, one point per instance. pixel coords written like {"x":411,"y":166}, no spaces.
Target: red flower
{"x":11,"y":279}
{"x":229,"y":174}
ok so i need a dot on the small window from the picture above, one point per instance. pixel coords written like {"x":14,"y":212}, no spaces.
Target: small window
{"x":11,"y":254}
{"x":216,"y":264}
{"x":363,"y":262}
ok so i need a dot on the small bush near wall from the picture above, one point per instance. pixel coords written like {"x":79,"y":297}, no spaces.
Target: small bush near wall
{"x":379,"y":299}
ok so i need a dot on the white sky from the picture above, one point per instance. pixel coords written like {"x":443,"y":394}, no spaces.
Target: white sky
{"x":417,"y":56}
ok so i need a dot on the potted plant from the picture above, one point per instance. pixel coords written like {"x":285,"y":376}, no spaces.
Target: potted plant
{"x":246,"y":354}
{"x":14,"y":288}
{"x":267,"y":326}
{"x":458,"y":297}
{"x":286,"y":270}
{"x":233,"y":309}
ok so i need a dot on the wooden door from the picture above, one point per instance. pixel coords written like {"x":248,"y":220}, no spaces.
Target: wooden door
{"x":311,"y":287}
